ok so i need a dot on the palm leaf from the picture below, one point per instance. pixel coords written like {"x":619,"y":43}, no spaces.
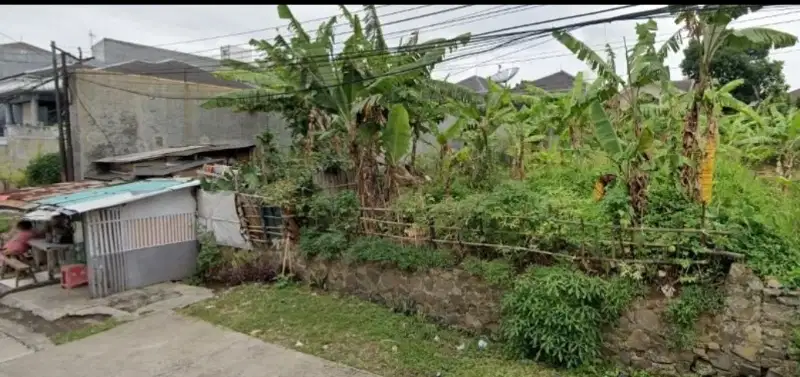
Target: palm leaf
{"x":372,"y":28}
{"x":241,"y":100}
{"x":396,"y":136}
{"x":587,"y":55}
{"x":604,"y":131}
{"x":761,"y":36}
{"x":261,"y":79}
{"x":295,"y":26}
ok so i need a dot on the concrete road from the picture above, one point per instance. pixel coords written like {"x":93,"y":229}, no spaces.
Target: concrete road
{"x":168,"y":344}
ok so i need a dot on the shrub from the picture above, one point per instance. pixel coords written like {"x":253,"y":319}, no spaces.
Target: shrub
{"x":209,"y":257}
{"x":44,"y":169}
{"x":498,"y":272}
{"x":405,"y":257}
{"x":336,"y":212}
{"x":245,"y":267}
{"x":325,"y":245}
{"x":216,"y":264}
{"x":683,"y":312}
{"x":556,"y":314}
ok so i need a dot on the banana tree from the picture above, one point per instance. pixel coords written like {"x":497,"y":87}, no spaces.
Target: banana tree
{"x":627,"y":156}
{"x":481,"y":121}
{"x":709,"y":27}
{"x":777,"y":139}
{"x":529,"y":126}
{"x":447,"y":159}
{"x":645,"y":67}
{"x":351,"y":90}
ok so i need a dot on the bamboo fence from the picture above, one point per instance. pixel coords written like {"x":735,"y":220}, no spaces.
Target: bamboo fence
{"x":621,"y":245}
{"x":263,"y":225}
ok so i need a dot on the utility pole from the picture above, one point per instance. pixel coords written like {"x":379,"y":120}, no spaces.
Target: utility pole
{"x":66,"y":119}
{"x":62,"y":149}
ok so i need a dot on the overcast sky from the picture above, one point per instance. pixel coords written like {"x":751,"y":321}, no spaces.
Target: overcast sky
{"x":176,"y":26}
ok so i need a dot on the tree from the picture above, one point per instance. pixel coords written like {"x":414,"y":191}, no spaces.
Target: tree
{"x":763,"y":78}
{"x":710,"y":28}
{"x":344,"y":95}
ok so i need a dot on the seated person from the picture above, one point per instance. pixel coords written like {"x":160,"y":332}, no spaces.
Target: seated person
{"x":18,"y":244}
{"x":61,"y":229}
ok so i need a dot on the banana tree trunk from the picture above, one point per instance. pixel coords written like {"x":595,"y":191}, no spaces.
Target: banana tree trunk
{"x":690,"y":146}
{"x":414,"y":141}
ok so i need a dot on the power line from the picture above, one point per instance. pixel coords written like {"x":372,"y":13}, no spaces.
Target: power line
{"x":539,"y":57}
{"x":251,"y":50}
{"x":480,"y":15}
{"x":271,"y":95}
{"x":475,"y":39}
{"x":474,"y":46}
{"x":261,"y":30}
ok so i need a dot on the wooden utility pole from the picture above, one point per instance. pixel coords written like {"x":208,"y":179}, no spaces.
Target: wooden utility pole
{"x":66,"y":119}
{"x":62,"y":149}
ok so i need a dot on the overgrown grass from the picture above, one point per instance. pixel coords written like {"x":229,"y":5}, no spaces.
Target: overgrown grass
{"x":357,"y":333}
{"x":758,"y":214}
{"x":497,"y":272}
{"x":683,"y":312}
{"x":83,"y":332}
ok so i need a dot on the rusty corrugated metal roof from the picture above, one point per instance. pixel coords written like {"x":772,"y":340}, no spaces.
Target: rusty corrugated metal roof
{"x":23,"y":198}
{"x":184,"y":151}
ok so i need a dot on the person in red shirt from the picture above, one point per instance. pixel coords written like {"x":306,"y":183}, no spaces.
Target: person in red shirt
{"x":18,"y":244}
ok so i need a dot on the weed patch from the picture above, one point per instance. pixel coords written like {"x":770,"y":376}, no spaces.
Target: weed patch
{"x":497,"y":272}
{"x":77,"y":334}
{"x":404,"y":257}
{"x":683,"y":312}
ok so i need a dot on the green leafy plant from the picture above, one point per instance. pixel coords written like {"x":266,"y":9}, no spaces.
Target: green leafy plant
{"x":44,"y":169}
{"x":556,"y":314}
{"x":682,"y":313}
{"x":336,"y":212}
{"x":209,"y":258}
{"x":496,"y":272}
{"x":404,"y":257}
{"x":324,"y":245}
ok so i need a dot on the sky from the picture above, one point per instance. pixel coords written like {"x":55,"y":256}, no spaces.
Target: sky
{"x":202,"y":29}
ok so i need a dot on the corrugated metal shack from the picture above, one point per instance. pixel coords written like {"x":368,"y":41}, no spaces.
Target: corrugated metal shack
{"x":132,"y":234}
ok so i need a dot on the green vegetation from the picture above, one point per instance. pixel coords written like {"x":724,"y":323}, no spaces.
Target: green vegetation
{"x":683,"y":312}
{"x":672,"y":173}
{"x":361,"y":334}
{"x":404,"y":257}
{"x":557,"y":315}
{"x":497,"y":272}
{"x":83,"y":332}
{"x":216,"y":264}
{"x":330,"y":246}
{"x":44,"y":169}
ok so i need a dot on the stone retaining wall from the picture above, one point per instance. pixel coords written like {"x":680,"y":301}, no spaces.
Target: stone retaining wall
{"x":751,"y":337}
{"x":453,"y":297}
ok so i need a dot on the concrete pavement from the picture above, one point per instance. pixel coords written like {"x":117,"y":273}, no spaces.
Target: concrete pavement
{"x":168,"y":344}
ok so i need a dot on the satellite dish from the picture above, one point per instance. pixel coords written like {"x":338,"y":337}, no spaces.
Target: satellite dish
{"x":503,"y":76}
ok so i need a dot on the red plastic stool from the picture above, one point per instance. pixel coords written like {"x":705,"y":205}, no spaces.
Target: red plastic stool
{"x":73,"y":275}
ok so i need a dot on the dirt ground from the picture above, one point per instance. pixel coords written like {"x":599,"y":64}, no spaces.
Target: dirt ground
{"x":50,"y":329}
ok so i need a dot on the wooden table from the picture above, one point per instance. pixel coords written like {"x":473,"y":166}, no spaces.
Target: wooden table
{"x":55,"y":253}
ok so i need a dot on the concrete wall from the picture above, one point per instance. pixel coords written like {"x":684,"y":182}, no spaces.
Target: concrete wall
{"x":23,"y":143}
{"x":110,"y":51}
{"x":120,"y":114}
{"x":15,"y":58}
